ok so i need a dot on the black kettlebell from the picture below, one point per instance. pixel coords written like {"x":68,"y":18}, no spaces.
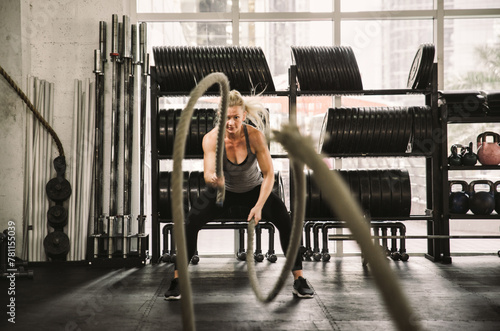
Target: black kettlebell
{"x":469,"y":158}
{"x":459,"y":200}
{"x":481,"y":202}
{"x":455,"y":159}
{"x":497,"y":196}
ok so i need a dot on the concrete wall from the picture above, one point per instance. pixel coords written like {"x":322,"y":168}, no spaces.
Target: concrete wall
{"x":53,"y":40}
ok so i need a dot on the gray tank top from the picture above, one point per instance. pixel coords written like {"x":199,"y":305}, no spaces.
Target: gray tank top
{"x":245,"y":176}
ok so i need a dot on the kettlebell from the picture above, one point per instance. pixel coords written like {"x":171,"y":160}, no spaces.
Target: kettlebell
{"x":455,"y":159}
{"x":497,"y":197}
{"x":469,"y":158}
{"x":481,"y":202}
{"x":459,"y":200}
{"x":488,"y":153}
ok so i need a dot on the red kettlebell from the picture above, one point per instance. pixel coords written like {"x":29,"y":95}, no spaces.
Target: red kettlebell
{"x":488,"y":153}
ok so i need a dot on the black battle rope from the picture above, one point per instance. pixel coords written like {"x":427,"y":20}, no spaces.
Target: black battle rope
{"x":177,"y":181}
{"x":24,"y":97}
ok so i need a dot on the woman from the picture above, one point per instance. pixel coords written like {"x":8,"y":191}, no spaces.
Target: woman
{"x":248,"y":179}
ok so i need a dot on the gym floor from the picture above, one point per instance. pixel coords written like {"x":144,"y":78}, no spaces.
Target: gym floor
{"x":464,"y":295}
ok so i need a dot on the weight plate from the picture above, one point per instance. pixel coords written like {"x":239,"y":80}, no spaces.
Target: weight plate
{"x":426,"y":77}
{"x":370,"y":140}
{"x":363,"y":139}
{"x":375,"y":193}
{"x":164,"y":195}
{"x":57,"y":216}
{"x":320,"y":78}
{"x":211,"y":114}
{"x":383,"y":127}
{"x":362,"y":127}
{"x":354,"y":185}
{"x":296,"y":58}
{"x":325,"y":62}
{"x":241,"y":61}
{"x":389,"y":129}
{"x":405,"y":193}
{"x":343,"y":146}
{"x":268,"y":78}
{"x":193,"y":187}
{"x":364,"y":191}
{"x":385,"y":193}
{"x":315,"y":199}
{"x":170,"y":124}
{"x":357,"y":75}
{"x":395,"y":179}
{"x":347,"y":67}
{"x":162,"y":131}
{"x":193,"y":139}
{"x":325,"y":134}
{"x":396,"y":127}
{"x":407,"y":118}
{"x":58,"y":189}
{"x":56,"y":244}
{"x":416,"y":69}
{"x":337,"y":130}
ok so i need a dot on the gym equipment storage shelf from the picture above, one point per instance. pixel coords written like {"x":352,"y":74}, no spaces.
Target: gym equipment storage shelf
{"x":446,"y":215}
{"x":431,"y":155}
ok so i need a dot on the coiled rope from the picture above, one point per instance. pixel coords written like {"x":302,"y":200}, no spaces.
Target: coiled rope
{"x":177,"y":181}
{"x":340,"y":201}
{"x":295,"y":237}
{"x":37,"y":114}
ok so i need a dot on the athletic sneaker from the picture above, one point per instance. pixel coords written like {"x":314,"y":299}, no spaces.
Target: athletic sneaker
{"x":301,"y":288}
{"x":174,"y":291}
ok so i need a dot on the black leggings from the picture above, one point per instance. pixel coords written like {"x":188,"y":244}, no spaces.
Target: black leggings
{"x":205,"y":210}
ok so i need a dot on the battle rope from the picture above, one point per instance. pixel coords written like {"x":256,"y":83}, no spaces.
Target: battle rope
{"x":295,"y":237}
{"x":340,"y":201}
{"x":177,"y":181}
{"x":24,"y":97}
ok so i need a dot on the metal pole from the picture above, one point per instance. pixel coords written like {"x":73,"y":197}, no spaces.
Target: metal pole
{"x":115,"y":119}
{"x":144,"y":60}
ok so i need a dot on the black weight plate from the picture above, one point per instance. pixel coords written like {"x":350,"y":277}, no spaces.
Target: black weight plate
{"x":325,"y":134}
{"x":416,"y":69}
{"x":170,"y":132}
{"x":158,"y":60}
{"x":200,"y":62}
{"x":338,"y":67}
{"x":202,"y":129}
{"x":353,"y":131}
{"x":375,"y":193}
{"x":320,"y":78}
{"x":403,"y":132}
{"x":184,"y":69}
{"x":426,"y":77}
{"x":164,"y":69}
{"x":322,"y":67}
{"x":177,"y":83}
{"x":243,"y":71}
{"x":370,"y":142}
{"x":193,"y":187}
{"x":192,"y":57}
{"x":57,"y":216}
{"x":211,"y":114}
{"x":325,"y":62}
{"x":58,"y":189}
{"x":347,"y":66}
{"x":405,"y":193}
{"x":396,"y":127}
{"x":313,"y":74}
{"x":395,"y":192}
{"x":162,"y":131}
{"x":188,"y":64}
{"x":363,"y":139}
{"x":315,"y":199}
{"x":332,"y":65}
{"x":358,"y":83}
{"x":297,"y":59}
{"x":377,"y":129}
{"x":337,"y":130}
{"x":193,"y":139}
{"x":385,"y":193}
{"x":255,"y":70}
{"x":56,"y":244}
{"x":308,"y":194}
{"x":261,"y":83}
{"x":383,"y":125}
{"x":409,"y":127}
{"x":358,"y":145}
{"x":164,"y":195}
{"x":344,"y":144}
{"x":250,"y":68}
{"x":354,"y":185}
{"x":419,"y":129}
{"x":390,"y":116}
{"x":364,"y":191}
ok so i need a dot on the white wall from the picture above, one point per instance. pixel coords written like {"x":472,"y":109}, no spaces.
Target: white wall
{"x":53,"y":40}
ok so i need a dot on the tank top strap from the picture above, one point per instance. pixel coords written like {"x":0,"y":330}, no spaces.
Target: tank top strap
{"x":249,"y":150}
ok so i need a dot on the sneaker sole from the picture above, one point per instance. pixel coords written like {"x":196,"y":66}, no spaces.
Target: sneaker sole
{"x":304,"y":296}
{"x":172,"y":298}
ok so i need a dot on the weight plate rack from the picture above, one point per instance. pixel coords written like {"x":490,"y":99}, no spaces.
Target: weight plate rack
{"x":179,"y":68}
{"x":326,"y":68}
